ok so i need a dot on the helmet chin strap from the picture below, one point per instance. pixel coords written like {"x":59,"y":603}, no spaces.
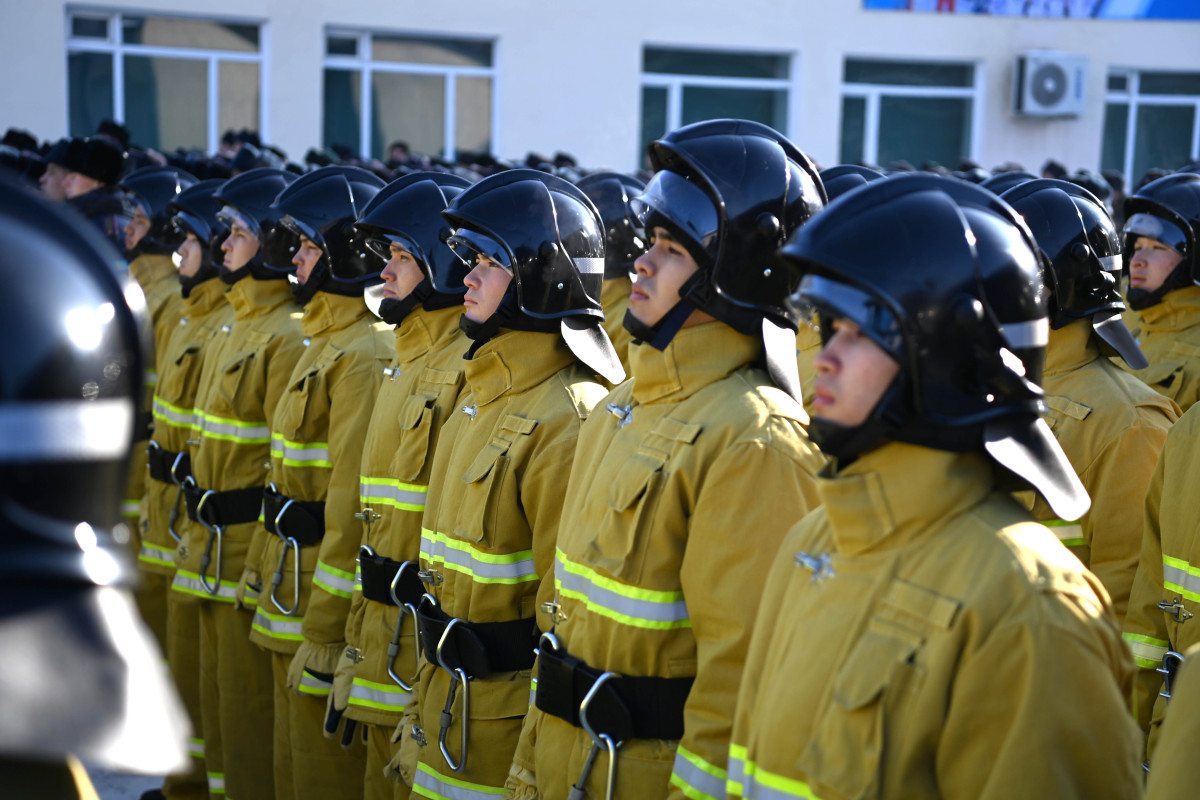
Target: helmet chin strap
{"x":660,"y":334}
{"x":845,"y":443}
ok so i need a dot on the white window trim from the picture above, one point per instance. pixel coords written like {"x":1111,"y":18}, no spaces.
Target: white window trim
{"x":366,"y":67}
{"x":118,"y":50}
{"x":873,"y":92}
{"x":1131,"y":96}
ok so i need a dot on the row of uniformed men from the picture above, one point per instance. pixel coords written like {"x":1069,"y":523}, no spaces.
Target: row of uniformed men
{"x":396,"y":562}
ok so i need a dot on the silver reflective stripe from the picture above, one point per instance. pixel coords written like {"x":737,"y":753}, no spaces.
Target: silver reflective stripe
{"x":151,"y":378}
{"x":190,"y":583}
{"x":1147,"y":651}
{"x":698,"y":779}
{"x":1035,"y":333}
{"x":300,"y":454}
{"x":179,"y":417}
{"x":65,"y":430}
{"x":407,"y":496}
{"x":1069,"y":533}
{"x":217,"y":427}
{"x":131,"y":508}
{"x":1180,"y":576}
{"x":736,"y":771}
{"x":196,"y":748}
{"x":157,"y":555}
{"x":216,"y":782}
{"x":333,"y":580}
{"x":590,"y":266}
{"x":369,"y":694}
{"x":428,"y":783}
{"x":278,"y":626}
{"x":630,"y":605}
{"x":482,"y":567}
{"x":1112,"y":263}
{"x":314,"y":686}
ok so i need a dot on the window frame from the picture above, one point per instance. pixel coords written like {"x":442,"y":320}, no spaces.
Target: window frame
{"x":113,"y":45}
{"x":1131,"y":97}
{"x":872,"y":94}
{"x":364,"y":65}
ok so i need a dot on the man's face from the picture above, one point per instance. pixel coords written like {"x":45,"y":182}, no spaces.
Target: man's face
{"x":137,"y":228}
{"x":1151,"y":264}
{"x":659,"y":274}
{"x":51,"y":182}
{"x":191,"y":256}
{"x":306,"y":258}
{"x":402,"y":273}
{"x":239,"y":247}
{"x":76,"y":184}
{"x":852,"y":374}
{"x":486,"y":285}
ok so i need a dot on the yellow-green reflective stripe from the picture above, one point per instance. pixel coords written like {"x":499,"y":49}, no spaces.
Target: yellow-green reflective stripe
{"x":459,"y":556}
{"x":1148,"y":652}
{"x":629,"y":605}
{"x":1180,"y":576}
{"x":358,"y":577}
{"x":313,"y":686}
{"x":404,"y":496}
{"x":174,"y":415}
{"x":428,"y":783}
{"x":335,"y":581}
{"x":250,"y":596}
{"x":196,"y":748}
{"x":1069,"y":533}
{"x":131,"y":507}
{"x":156,"y":554}
{"x":233,"y":430}
{"x":151,"y":377}
{"x":757,"y":784}
{"x":300,"y":454}
{"x":216,"y":782}
{"x":697,"y":778}
{"x":383,"y":696}
{"x":278,"y":626}
{"x":190,"y":583}
{"x":532,"y":692}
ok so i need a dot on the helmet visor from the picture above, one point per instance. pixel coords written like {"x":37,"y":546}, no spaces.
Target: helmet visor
{"x":833,"y":300}
{"x":1156,"y":228}
{"x":231,"y":216}
{"x":466,"y":244}
{"x":186,"y":222}
{"x":684,"y":204}
{"x":381,"y":245}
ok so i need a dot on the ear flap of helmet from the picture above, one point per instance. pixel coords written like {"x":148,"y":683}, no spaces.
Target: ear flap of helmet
{"x":1027,"y":448}
{"x":591,"y":345}
{"x":1111,"y":329}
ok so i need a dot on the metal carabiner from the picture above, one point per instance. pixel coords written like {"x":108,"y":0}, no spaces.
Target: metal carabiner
{"x":457,"y":676}
{"x":214,"y":532}
{"x":1171,"y":662}
{"x":277,"y":578}
{"x":598,"y":741}
{"x":550,"y":638}
{"x":175,"y":466}
{"x":394,"y":646}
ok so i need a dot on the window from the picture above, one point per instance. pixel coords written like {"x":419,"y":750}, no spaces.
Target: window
{"x":1151,"y":119}
{"x":908,"y":111}
{"x":436,"y":95}
{"x":175,"y":82}
{"x":680,"y":87}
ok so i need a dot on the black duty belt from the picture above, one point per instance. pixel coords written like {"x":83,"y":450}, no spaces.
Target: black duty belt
{"x":222,"y":508}
{"x":302,"y":520}
{"x":167,"y":465}
{"x":478,"y":648}
{"x":624,"y":707}
{"x":143,"y":426}
{"x":378,"y":573}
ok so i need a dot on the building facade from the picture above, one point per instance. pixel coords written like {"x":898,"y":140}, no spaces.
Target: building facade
{"x":846,"y":81}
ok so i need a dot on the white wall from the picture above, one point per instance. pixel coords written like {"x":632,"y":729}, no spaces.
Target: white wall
{"x":569,"y":72}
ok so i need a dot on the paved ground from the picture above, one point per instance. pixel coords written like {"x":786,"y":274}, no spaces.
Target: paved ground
{"x":119,"y":786}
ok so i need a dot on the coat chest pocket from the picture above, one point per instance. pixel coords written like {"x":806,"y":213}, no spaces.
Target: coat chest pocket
{"x":242,"y":375}
{"x":303,"y":411}
{"x":416,"y":424}
{"x":489,"y":498}
{"x":180,"y":390}
{"x":1165,"y":377}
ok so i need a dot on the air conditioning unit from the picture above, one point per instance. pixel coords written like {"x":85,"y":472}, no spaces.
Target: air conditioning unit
{"x":1049,"y":84}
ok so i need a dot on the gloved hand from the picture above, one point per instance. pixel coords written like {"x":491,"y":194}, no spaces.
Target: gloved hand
{"x":339,"y":695}
{"x":311,"y":675}
{"x":403,"y":766}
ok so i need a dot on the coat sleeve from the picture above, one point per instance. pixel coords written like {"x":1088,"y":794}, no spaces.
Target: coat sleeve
{"x":352,"y":394}
{"x":1118,"y":480}
{"x":1024,"y":715}
{"x":731,"y":544}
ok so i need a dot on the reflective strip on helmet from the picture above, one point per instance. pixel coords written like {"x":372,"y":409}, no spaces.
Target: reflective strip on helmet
{"x":1069,"y":533}
{"x":195,"y":748}
{"x":1112,"y":263}
{"x":590,"y":266}
{"x":428,"y":783}
{"x":1035,"y":333}
{"x":1180,"y":576}
{"x":405,"y":496}
{"x":1147,"y":651}
{"x":190,"y":583}
{"x":65,"y":430}
{"x":482,"y":567}
{"x":300,"y":454}
{"x":312,"y":685}
{"x":277,"y":626}
{"x":157,"y":554}
{"x":216,"y":783}
{"x":131,"y":507}
{"x":697,"y":778}
{"x":335,"y":581}
{"x":749,"y":781}
{"x":232,"y":430}
{"x":174,"y":415}
{"x":629,"y":605}
{"x":381,"y":696}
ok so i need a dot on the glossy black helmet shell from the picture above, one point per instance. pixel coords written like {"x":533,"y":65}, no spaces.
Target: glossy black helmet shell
{"x":624,"y":238}
{"x":152,"y":189}
{"x":842,"y":178}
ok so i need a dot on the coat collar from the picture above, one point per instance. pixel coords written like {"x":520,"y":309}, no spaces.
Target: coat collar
{"x":514,"y":361}
{"x":696,"y":357}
